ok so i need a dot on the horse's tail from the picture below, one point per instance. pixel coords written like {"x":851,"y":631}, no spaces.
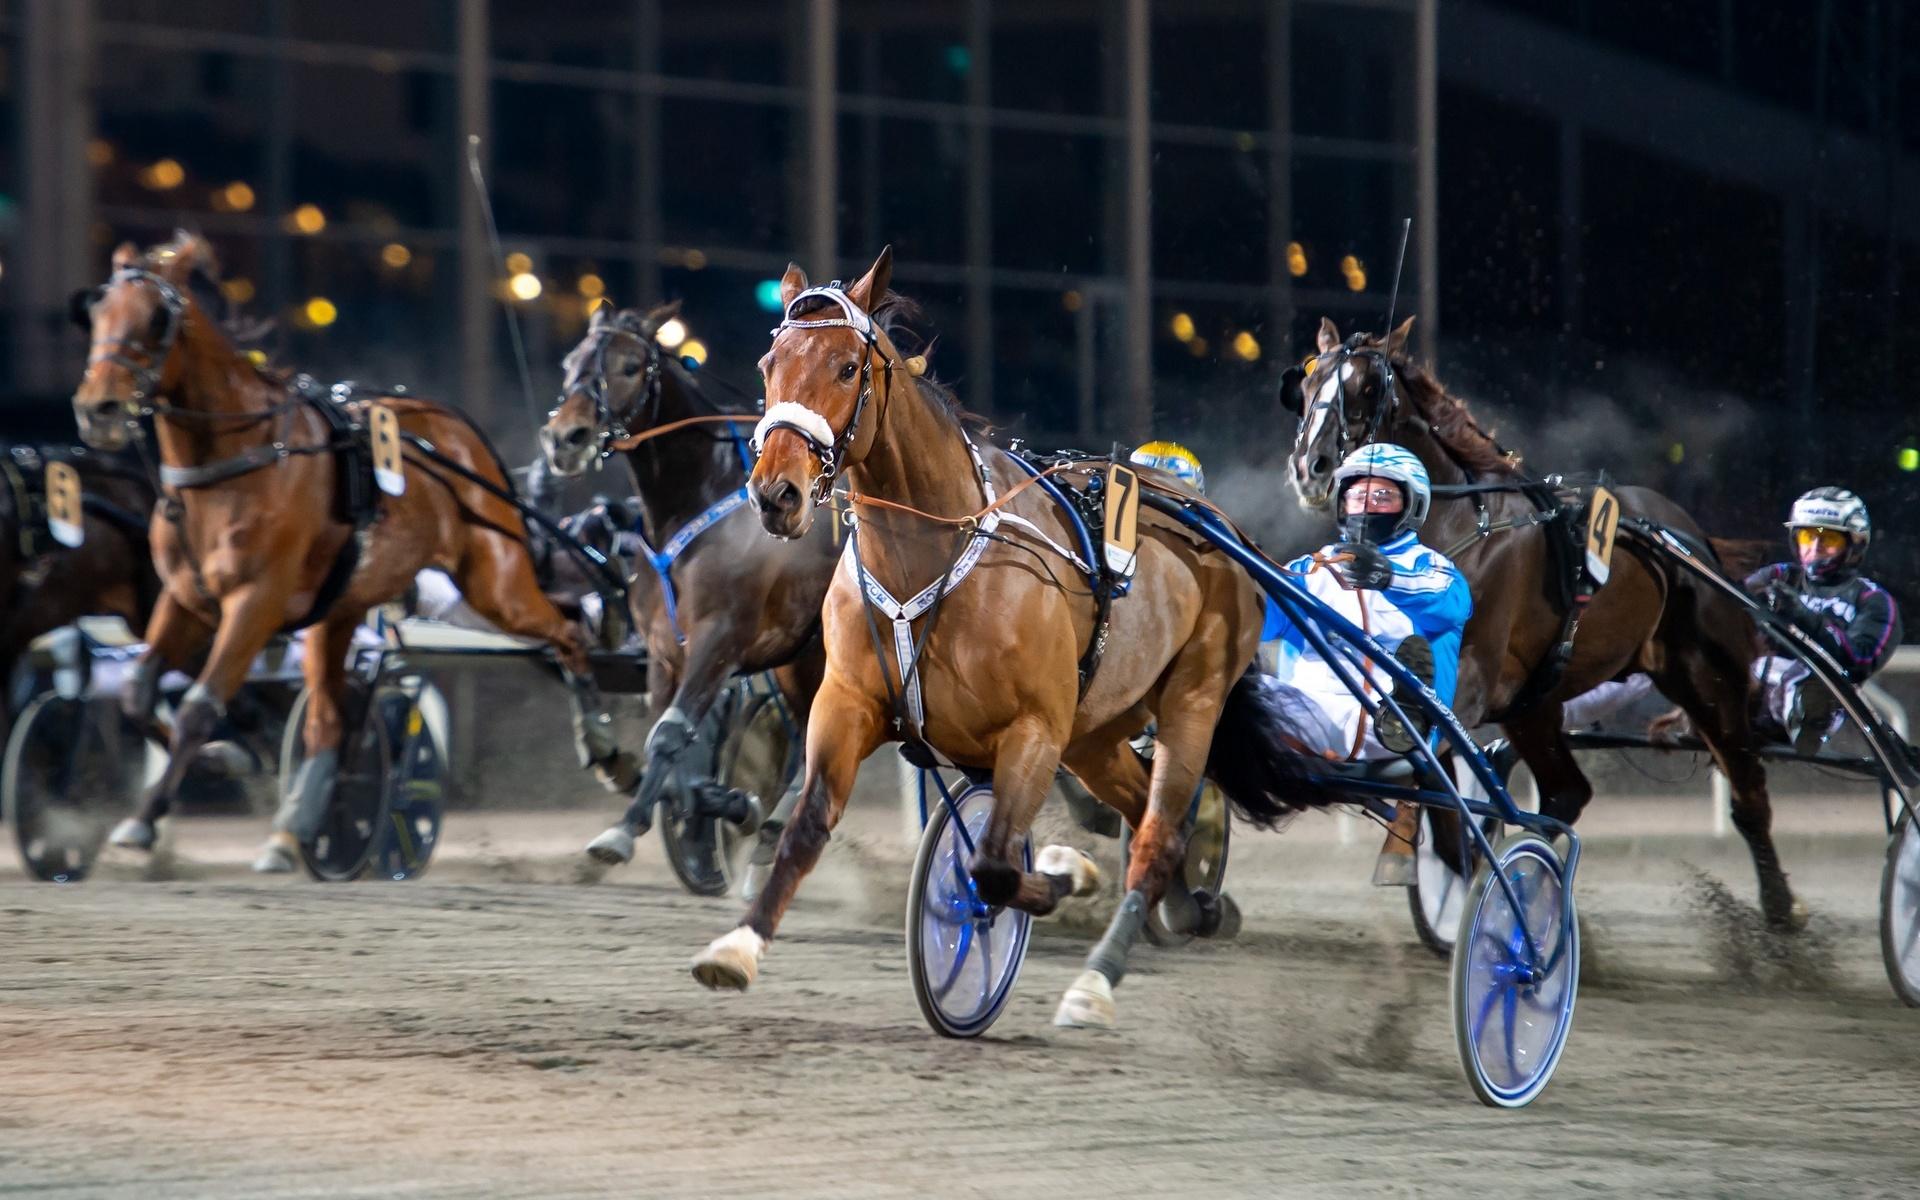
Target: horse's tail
{"x":1251,"y":759}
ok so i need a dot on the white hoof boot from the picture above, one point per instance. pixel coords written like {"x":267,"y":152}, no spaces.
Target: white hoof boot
{"x":1088,"y":1004}
{"x":279,"y":856}
{"x":613,"y":847}
{"x":132,"y":834}
{"x":731,"y":961}
{"x":1393,"y":870}
{"x":1065,"y":860}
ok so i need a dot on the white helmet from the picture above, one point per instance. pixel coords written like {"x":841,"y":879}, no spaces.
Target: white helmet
{"x":1388,"y":461}
{"x":1835,"y":508}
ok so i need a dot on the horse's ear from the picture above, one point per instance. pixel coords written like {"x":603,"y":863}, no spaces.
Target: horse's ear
{"x":597,"y":320}
{"x":792,"y":284}
{"x":1329,"y":339}
{"x":192,"y":253}
{"x":1397,"y":340}
{"x":125,"y":255}
{"x":1293,"y":396}
{"x":657,"y":316}
{"x":80,"y":307}
{"x":868,"y":290}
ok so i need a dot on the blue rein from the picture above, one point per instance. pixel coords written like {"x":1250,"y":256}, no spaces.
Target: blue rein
{"x":662,"y":560}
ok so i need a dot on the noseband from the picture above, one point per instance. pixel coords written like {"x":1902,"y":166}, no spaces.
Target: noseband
{"x":813,"y":428}
{"x":610,"y":426}
{"x":147,"y":369}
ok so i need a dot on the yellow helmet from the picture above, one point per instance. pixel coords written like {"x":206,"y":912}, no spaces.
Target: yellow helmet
{"x":1176,"y":460}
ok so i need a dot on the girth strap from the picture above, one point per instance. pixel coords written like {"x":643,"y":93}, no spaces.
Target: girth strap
{"x":332,"y":587}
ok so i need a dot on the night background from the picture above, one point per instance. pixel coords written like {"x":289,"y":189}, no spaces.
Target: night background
{"x":1674,"y":240}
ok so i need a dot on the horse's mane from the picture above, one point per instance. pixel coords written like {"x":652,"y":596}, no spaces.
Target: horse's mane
{"x":1453,"y":423}
{"x":896,"y":316}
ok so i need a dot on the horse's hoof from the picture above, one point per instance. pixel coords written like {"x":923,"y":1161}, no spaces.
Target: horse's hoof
{"x":279,"y":856}
{"x":132,"y":834}
{"x":1073,"y":865}
{"x":612,"y":848}
{"x":1798,"y":916}
{"x":1220,"y":919}
{"x":227,"y":759}
{"x":1088,"y":1004}
{"x":619,"y":773}
{"x":731,"y":961}
{"x":1393,"y":870}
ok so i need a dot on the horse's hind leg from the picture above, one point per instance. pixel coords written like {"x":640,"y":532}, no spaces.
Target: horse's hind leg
{"x":496,"y":578}
{"x":1539,"y":740}
{"x":1023,"y":768}
{"x":310,"y":791}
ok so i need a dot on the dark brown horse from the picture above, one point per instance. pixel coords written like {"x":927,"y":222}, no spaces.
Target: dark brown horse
{"x":713,"y":595}
{"x":252,"y":536}
{"x":1650,"y":616}
{"x":999,"y":657}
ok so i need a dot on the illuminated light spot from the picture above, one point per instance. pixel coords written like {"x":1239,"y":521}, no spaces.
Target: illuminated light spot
{"x":1181,"y":326}
{"x":395,"y":255}
{"x":588,"y":306}
{"x":959,"y":59}
{"x":518,"y":263}
{"x":1071,"y":301}
{"x":100,"y":152}
{"x":672,"y":333}
{"x":1296,"y":259}
{"x":591,"y":285}
{"x":1677,"y":453}
{"x":1197,"y":347}
{"x":1357,"y":281}
{"x":1910,"y":459}
{"x":694,"y":349}
{"x":257,"y":357}
{"x":524,"y":285}
{"x":3,"y":270}
{"x":1246,"y":346}
{"x":307,"y":219}
{"x":238,"y":290}
{"x":766,"y":294}
{"x":236,"y":196}
{"x":1243,"y":142}
{"x":320,"y":312}
{"x":164,"y":175}
{"x":696,"y":260}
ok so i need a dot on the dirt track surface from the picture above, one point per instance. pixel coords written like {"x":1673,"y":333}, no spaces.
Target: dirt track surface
{"x":502,"y":1029}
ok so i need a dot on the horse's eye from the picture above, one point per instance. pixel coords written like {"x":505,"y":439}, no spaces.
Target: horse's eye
{"x":1370,"y":389}
{"x":631,"y":368}
{"x":847,"y":372}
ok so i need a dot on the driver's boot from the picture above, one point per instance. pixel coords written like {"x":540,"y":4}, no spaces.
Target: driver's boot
{"x":1394,"y":867}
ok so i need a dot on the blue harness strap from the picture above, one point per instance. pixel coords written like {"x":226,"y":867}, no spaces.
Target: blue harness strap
{"x":1073,"y":515}
{"x":662,"y":560}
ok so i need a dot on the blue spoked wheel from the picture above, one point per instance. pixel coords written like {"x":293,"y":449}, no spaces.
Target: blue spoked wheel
{"x":1438,"y":893}
{"x":1900,"y":911}
{"x":963,"y":954}
{"x":1516,"y":970}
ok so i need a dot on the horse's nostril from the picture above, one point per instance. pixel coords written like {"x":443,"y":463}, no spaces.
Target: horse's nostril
{"x":576,"y":437}
{"x":784,"y":496}
{"x":1321,"y":465}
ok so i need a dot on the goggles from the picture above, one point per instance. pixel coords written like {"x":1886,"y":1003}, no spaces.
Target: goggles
{"x":1830,"y":540}
{"x":1386,"y":494}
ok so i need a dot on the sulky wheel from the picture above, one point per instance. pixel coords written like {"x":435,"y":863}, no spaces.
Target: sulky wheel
{"x":1439,"y":891}
{"x":1209,"y":837}
{"x":416,"y":792}
{"x":705,"y":849}
{"x":1516,"y":971}
{"x":357,"y":815}
{"x":963,"y":954}
{"x":73,"y":767}
{"x":1900,"y":911}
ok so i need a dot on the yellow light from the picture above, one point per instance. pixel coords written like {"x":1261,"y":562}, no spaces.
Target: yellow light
{"x":524,"y":286}
{"x":1197,"y":347}
{"x":671,"y":334}
{"x":1676,"y":453}
{"x":308,"y":219}
{"x":100,"y":152}
{"x":320,"y":312}
{"x":1070,"y":301}
{"x":257,"y":357}
{"x":1246,"y":346}
{"x":1357,"y":281}
{"x":1909,"y":459}
{"x":588,"y":306}
{"x":1182,"y":326}
{"x":395,"y":255}
{"x":1349,"y":265}
{"x":1296,"y":259}
{"x":1243,"y":142}
{"x":694,"y":349}
{"x":236,"y":196}
{"x":164,"y":175}
{"x":518,"y":263}
{"x":592,"y":285}
{"x":239,"y":290}
{"x":696,"y":260}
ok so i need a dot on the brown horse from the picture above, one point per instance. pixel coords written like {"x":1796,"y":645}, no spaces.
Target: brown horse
{"x":1000,"y":654}
{"x":1695,"y":642}
{"x":716,"y":596}
{"x":251,"y":537}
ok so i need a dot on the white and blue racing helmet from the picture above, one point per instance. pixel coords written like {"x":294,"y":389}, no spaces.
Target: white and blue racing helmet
{"x":1388,"y":461}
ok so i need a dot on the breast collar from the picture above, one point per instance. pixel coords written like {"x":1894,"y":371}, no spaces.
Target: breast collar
{"x":662,"y":560}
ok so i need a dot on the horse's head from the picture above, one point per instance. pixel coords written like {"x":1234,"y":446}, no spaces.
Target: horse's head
{"x":1346,"y":395}
{"x":612,"y":387}
{"x":820,"y":377}
{"x":136,"y":319}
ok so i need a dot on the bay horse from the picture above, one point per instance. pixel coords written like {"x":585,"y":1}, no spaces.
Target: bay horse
{"x":999,"y":656}
{"x":1695,"y":642}
{"x":712,"y":595}
{"x":251,"y":536}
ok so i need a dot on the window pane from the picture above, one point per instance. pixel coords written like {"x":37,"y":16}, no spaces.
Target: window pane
{"x":1347,"y":217}
{"x":572,"y":35}
{"x":1210,"y":71}
{"x":374,"y":23}
{"x":546,"y":132}
{"x":1051,"y":197}
{"x":744,"y":204}
{"x":375,"y":146}
{"x":1210,"y":213}
{"x":746,"y":41}
{"x":1351,"y":73}
{"x":176,"y":131}
{"x":929,"y":60}
{"x":225,"y":16}
{"x":1047,"y":62}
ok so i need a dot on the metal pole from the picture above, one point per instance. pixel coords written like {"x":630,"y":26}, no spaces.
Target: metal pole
{"x":1426,"y":76}
{"x":1280,"y":172}
{"x":56,"y":120}
{"x":979,"y":207}
{"x":1137,"y":422}
{"x":647,"y":221}
{"x":822,"y":145}
{"x":478,"y":272}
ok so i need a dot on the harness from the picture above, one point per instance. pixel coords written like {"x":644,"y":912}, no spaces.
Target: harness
{"x":662,"y":560}
{"x":611,"y":427}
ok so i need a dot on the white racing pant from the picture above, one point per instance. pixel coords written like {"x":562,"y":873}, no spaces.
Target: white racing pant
{"x":1324,"y":722}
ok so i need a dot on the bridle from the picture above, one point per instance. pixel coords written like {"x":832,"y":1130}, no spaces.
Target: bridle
{"x":591,"y":379}
{"x":146,"y":370}
{"x":1332,"y":397}
{"x":826,"y":446}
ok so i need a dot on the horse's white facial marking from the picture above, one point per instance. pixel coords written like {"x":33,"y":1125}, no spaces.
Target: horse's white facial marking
{"x":791,"y":412}
{"x":1346,"y":371}
{"x":1322,"y":406}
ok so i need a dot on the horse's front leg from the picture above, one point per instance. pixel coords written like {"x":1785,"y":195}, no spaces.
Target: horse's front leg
{"x":1024,"y":764}
{"x":310,"y":791}
{"x":713,"y":653}
{"x":176,"y":635}
{"x":249,"y":615}
{"x":846,"y":725}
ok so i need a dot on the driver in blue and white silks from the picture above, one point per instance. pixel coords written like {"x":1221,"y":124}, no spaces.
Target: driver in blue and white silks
{"x":1410,"y":597}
